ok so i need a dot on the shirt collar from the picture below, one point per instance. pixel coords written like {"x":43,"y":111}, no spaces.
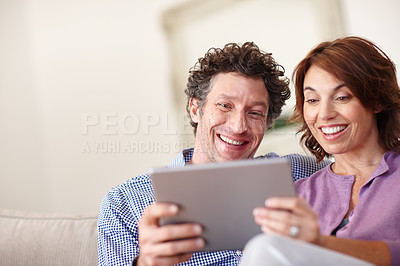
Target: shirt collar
{"x":383,"y":166}
{"x":183,"y":158}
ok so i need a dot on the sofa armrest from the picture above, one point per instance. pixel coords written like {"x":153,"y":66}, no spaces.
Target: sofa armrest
{"x":47,"y":239}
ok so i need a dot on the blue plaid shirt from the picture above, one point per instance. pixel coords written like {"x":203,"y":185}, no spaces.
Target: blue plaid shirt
{"x":122,"y":207}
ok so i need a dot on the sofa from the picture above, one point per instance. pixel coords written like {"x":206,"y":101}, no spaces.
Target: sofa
{"x":28,"y":238}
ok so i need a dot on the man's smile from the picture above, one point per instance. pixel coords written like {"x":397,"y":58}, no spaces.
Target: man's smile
{"x":231,"y":141}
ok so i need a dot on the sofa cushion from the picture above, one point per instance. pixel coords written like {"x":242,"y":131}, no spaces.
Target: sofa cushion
{"x":47,"y":239}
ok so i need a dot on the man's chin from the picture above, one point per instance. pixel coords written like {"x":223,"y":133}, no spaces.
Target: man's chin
{"x":226,"y":154}
{"x":233,"y":157}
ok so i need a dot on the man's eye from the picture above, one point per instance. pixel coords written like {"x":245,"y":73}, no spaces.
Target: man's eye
{"x":257,"y":115}
{"x":224,"y":105}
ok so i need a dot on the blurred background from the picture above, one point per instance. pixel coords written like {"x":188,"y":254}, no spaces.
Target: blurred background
{"x":91,"y":91}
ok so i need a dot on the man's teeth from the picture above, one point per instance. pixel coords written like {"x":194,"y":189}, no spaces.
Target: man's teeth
{"x":332,"y":130}
{"x":231,"y":141}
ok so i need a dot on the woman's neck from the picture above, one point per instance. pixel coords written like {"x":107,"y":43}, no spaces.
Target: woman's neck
{"x":360,"y":164}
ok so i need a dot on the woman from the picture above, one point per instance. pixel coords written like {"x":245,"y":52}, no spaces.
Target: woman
{"x":348,"y":101}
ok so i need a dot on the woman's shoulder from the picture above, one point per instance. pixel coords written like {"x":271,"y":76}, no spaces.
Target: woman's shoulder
{"x":325,"y":171}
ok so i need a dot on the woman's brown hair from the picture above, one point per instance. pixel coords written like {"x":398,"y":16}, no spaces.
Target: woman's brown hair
{"x":371,"y":76}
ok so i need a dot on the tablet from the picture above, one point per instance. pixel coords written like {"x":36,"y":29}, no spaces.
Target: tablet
{"x":221,"y":196}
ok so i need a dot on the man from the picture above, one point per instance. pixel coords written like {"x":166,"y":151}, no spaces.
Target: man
{"x":234,"y":95}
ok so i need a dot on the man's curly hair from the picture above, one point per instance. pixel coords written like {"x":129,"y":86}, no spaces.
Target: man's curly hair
{"x":246,"y":60}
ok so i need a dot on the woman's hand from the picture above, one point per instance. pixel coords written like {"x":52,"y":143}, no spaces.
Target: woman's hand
{"x":289,"y":216}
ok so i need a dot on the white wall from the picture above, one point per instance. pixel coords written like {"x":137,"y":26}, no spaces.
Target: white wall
{"x":62,"y":61}
{"x":72,"y":71}
{"x":377,"y":21}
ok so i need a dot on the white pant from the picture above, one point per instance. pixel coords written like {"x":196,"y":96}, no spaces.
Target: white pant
{"x":278,"y":250}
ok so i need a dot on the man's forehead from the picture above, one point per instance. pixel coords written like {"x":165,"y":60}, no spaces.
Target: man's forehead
{"x":230,"y":75}
{"x":236,"y":86}
{"x":232,"y":97}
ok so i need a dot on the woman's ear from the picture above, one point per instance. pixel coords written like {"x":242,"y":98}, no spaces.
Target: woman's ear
{"x":194,"y":110}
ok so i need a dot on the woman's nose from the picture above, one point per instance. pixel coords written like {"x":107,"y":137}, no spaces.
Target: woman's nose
{"x":327,"y":110}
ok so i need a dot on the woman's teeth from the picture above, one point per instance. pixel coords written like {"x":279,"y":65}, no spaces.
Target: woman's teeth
{"x":332,"y":130}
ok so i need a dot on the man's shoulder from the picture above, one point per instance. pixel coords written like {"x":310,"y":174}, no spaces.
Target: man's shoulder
{"x":131,"y":192}
{"x":137,"y":183}
{"x":305,"y":159}
{"x":295,"y":158}
{"x":140,"y":187}
{"x":302,"y":165}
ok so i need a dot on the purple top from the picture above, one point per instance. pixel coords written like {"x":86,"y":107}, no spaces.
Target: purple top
{"x":377,"y":214}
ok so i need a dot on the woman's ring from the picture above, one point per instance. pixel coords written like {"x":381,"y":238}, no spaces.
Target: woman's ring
{"x":294,"y":231}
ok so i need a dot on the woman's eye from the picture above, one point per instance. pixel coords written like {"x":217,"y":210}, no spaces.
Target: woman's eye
{"x":311,"y":101}
{"x":343,"y":98}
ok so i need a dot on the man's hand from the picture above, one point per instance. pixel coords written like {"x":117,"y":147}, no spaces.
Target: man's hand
{"x":169,"y":244}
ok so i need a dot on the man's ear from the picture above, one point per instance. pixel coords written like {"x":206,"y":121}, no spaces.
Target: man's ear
{"x":194,"y":110}
{"x":378,"y":108}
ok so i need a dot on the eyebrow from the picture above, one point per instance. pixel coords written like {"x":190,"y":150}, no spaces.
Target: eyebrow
{"x":335,"y":89}
{"x":226,"y":96}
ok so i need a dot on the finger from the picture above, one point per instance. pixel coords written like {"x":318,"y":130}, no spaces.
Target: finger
{"x":178,"y":247}
{"x":176,"y":231}
{"x":164,"y":260}
{"x":264,"y":215}
{"x":293,"y":204}
{"x":277,"y":227}
{"x":307,"y":229}
{"x":270,"y":231}
{"x":172,"y":252}
{"x":155,"y":211}
{"x":278,"y":221}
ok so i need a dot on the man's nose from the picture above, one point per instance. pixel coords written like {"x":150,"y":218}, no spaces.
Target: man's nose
{"x":237,"y":122}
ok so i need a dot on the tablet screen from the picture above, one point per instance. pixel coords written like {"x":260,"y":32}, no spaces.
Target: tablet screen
{"x":221,"y":196}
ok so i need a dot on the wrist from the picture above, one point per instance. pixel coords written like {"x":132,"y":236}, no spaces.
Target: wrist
{"x":321,"y":241}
